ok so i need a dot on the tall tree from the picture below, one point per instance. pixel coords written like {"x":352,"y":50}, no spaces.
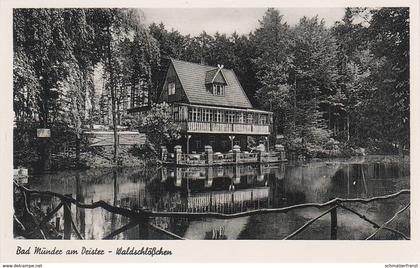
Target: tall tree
{"x":390,"y":44}
{"x":351,"y":60}
{"x":314,"y":72}
{"x":42,"y":48}
{"x":115,"y":31}
{"x":273,"y":60}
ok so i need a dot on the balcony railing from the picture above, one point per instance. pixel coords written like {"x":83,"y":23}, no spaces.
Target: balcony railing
{"x":208,"y":119}
{"x":228,"y":128}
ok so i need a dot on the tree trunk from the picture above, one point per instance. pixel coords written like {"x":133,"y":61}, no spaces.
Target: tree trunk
{"x":329,"y":117}
{"x":348,"y":127}
{"x":113,"y":108}
{"x":77,"y":150}
{"x":294,"y":107}
{"x":45,"y":154}
{"x":45,"y":142}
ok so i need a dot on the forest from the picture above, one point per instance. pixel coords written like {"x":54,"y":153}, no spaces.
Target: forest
{"x":345,"y":86}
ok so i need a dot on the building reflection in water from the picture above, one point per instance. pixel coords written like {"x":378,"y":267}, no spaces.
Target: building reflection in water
{"x":224,"y":189}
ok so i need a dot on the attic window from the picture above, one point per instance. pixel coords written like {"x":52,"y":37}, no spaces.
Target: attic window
{"x":215,"y":81}
{"x":218,"y":89}
{"x":171,"y":88}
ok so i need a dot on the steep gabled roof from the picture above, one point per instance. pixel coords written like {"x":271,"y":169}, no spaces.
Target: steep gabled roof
{"x":193,"y":80}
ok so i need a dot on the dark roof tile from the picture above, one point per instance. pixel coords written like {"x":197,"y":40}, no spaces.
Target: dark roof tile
{"x":193,"y":80}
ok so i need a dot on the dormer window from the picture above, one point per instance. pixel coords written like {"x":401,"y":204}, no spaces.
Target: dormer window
{"x":218,"y":89}
{"x":171,"y":88}
{"x":215,"y":81}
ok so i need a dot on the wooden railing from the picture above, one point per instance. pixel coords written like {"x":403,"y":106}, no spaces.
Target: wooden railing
{"x":224,"y":158}
{"x":248,"y":157}
{"x":196,"y":159}
{"x":234,"y":128}
{"x":143,"y":216}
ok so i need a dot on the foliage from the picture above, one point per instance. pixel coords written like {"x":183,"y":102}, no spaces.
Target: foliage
{"x":344,"y":87}
{"x":159,"y":126}
{"x":56,"y":53}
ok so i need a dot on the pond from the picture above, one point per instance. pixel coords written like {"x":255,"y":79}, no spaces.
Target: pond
{"x":232,"y":189}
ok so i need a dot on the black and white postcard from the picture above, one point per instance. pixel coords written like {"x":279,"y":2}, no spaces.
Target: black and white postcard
{"x":165,"y":125}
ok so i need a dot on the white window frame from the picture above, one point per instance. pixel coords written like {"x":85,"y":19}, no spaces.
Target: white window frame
{"x":171,"y":88}
{"x":218,"y":90}
{"x":231,"y":117}
{"x":241,"y":118}
{"x":250,"y":118}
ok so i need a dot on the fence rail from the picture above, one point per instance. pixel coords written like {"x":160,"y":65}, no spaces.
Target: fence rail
{"x":142,"y":216}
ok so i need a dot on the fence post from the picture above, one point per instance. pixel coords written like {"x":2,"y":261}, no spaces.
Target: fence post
{"x":57,"y":224}
{"x":209,"y":154}
{"x":260,"y":153}
{"x":144,"y":228}
{"x":280,"y":149}
{"x":236,"y":153}
{"x":67,"y":218}
{"x":178,"y":152}
{"x":209,"y":179}
{"x":333,"y":223}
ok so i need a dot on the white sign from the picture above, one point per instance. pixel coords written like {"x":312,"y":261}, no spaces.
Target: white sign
{"x":43,"y":132}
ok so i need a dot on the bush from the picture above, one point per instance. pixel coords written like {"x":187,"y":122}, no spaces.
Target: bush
{"x":159,"y":126}
{"x":62,"y":143}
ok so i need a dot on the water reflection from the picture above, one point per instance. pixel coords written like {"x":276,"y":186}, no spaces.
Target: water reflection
{"x":232,"y":189}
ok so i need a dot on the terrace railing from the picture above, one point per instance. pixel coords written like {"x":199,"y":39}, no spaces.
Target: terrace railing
{"x":216,"y":158}
{"x":142,"y":216}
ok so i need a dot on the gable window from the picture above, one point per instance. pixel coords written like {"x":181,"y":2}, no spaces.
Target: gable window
{"x":171,"y":88}
{"x":218,"y":90}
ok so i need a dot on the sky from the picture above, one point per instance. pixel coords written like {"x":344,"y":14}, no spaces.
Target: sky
{"x":227,"y":20}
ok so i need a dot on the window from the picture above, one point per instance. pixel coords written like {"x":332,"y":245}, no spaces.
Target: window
{"x":218,"y":116}
{"x":263,"y":119}
{"x":230,"y":117}
{"x":249,"y":119}
{"x":171,"y":88}
{"x":218,"y":90}
{"x":176,"y":115}
{"x":194,"y":114}
{"x":199,"y":114}
{"x":207,"y":114}
{"x":241,"y":117}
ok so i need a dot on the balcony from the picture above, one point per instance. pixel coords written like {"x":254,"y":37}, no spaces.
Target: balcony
{"x":221,"y":120}
{"x":225,"y":128}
